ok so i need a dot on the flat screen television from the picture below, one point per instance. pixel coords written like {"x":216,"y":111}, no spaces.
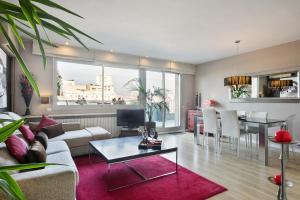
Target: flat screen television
{"x":131,"y":118}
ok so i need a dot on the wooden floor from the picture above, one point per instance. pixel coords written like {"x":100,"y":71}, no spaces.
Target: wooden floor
{"x":244,"y":177}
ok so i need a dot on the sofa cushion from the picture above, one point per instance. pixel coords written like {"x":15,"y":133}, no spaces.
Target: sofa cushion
{"x":42,"y":138}
{"x":45,"y":121}
{"x":5,"y":157}
{"x":27,"y":133}
{"x":17,"y":147}
{"x":99,"y":133}
{"x":4,"y":116}
{"x":74,"y":138}
{"x":53,"y":130}
{"x":36,"y":153}
{"x":56,"y":147}
{"x":64,"y":158}
{"x":13,"y":115}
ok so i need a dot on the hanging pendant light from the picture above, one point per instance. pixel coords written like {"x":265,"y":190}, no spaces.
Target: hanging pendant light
{"x":280,"y":84}
{"x":237,"y":80}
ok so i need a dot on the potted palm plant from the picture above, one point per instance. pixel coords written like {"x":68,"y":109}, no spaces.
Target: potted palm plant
{"x":154,"y":100}
{"x":29,"y":17}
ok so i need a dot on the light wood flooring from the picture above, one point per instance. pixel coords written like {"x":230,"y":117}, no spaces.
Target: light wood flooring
{"x":244,"y":177}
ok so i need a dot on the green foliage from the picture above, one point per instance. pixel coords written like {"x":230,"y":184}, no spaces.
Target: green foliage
{"x":27,"y":17}
{"x":155,"y":98}
{"x":28,"y":14}
{"x":240,"y":92}
{"x":7,"y":183}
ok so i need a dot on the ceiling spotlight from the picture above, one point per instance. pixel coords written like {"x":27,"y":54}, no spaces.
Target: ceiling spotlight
{"x":147,"y":56}
{"x":67,"y":43}
{"x":111,"y":50}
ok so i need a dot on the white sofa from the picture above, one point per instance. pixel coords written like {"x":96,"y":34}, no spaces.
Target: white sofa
{"x":54,"y":182}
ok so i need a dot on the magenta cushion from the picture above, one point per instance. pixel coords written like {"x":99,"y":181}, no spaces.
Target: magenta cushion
{"x":17,"y":147}
{"x":45,"y":121}
{"x":27,"y":133}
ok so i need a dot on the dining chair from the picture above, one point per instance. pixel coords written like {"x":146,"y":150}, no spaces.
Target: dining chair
{"x":255,"y":130}
{"x":231,"y":128}
{"x":210,"y":122}
{"x":243,"y":114}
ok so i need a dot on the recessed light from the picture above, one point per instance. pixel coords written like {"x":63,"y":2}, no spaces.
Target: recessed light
{"x":67,"y":43}
{"x":111,"y":50}
{"x":147,"y":56}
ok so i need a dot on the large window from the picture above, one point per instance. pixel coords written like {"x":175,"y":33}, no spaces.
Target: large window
{"x":172,"y":92}
{"x":85,"y":84}
{"x":115,"y":87}
{"x":170,"y":83}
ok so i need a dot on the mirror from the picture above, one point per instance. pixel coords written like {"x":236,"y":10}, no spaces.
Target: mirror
{"x":282,"y":86}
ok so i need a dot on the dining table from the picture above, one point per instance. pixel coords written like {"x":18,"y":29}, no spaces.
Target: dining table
{"x":263,"y":126}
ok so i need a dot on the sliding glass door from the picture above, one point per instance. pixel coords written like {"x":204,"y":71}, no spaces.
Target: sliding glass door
{"x":172,"y":92}
{"x":170,"y":85}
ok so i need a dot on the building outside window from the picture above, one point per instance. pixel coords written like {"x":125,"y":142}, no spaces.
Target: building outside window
{"x":79,"y":84}
{"x":85,"y":84}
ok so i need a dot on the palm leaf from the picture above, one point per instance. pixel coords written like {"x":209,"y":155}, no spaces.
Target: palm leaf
{"x":54,"y":5}
{"x":27,"y":32}
{"x":6,"y":6}
{"x":30,"y":14}
{"x":26,"y":166}
{"x":20,"y":60}
{"x":11,"y":187}
{"x":44,"y":15}
{"x":9,"y":129}
{"x":15,"y":31}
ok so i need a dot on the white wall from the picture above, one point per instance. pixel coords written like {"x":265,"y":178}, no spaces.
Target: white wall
{"x":210,"y":78}
{"x":44,"y":78}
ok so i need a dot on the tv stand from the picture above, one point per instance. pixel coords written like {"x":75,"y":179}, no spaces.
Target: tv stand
{"x":125,"y":132}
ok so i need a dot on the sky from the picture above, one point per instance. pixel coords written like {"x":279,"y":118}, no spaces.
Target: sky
{"x":86,"y":74}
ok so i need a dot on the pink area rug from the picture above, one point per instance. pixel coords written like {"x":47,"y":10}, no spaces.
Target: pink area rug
{"x":183,"y":185}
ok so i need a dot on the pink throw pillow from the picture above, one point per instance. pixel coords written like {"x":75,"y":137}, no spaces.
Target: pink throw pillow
{"x":17,"y":147}
{"x":45,"y":121}
{"x":27,"y":133}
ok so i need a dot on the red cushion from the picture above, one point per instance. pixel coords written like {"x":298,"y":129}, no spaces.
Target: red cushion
{"x":45,"y":121}
{"x":27,"y":133}
{"x":17,"y":148}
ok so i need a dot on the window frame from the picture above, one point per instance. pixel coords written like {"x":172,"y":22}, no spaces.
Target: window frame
{"x":84,"y":107}
{"x":178,"y":77}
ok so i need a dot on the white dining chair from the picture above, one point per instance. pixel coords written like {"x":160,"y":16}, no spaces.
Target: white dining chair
{"x":231,"y":128}
{"x":255,"y":130}
{"x":210,"y":123}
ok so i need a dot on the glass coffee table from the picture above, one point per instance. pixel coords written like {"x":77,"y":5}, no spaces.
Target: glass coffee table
{"x":122,"y":150}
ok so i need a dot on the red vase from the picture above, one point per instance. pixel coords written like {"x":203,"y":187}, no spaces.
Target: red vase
{"x":277,"y":179}
{"x":283,"y":136}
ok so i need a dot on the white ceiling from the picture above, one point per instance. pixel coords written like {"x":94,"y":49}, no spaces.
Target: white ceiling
{"x":191,"y":31}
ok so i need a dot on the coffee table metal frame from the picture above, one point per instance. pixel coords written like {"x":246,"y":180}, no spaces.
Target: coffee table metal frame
{"x":93,"y":149}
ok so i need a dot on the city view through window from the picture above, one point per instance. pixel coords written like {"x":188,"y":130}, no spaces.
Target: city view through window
{"x":81,"y":84}
{"x":87,"y":84}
